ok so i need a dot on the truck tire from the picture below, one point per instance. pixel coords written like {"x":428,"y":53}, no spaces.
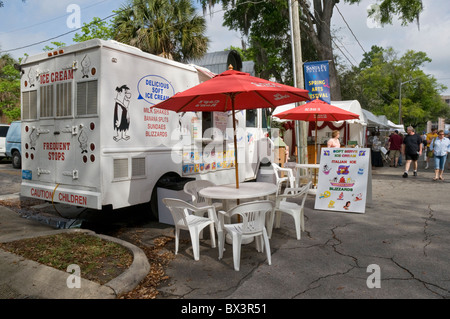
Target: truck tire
{"x":16,"y":159}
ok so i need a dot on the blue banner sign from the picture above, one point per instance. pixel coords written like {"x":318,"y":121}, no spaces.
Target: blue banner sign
{"x":317,"y":80}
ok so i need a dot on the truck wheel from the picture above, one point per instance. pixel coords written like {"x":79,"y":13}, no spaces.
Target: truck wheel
{"x":16,"y":159}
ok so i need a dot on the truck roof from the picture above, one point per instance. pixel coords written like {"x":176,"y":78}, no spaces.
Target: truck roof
{"x":100,"y":43}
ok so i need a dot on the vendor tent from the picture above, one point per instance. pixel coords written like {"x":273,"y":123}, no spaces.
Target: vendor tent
{"x":399,"y":127}
{"x":374,"y":121}
{"x":355,"y":129}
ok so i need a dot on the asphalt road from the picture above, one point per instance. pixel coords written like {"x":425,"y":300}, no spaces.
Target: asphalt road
{"x":397,"y":249}
{"x":10,"y":178}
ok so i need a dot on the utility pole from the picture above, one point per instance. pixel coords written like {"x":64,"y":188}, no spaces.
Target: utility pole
{"x":301,"y":129}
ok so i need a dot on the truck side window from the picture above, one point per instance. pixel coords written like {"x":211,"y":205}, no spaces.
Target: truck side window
{"x":87,"y":98}
{"x":207,"y":121}
{"x":251,"y":117}
{"x":29,"y":105}
{"x":64,"y":99}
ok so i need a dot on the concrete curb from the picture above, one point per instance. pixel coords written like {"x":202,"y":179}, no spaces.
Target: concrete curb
{"x":126,"y":281}
{"x":137,"y":271}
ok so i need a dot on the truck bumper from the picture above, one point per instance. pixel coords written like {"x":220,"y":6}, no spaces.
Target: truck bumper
{"x":59,"y":194}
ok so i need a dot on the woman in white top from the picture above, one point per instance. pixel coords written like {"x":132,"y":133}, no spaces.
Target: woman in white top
{"x":440,"y":146}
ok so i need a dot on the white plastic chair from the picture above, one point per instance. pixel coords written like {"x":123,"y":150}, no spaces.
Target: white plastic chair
{"x":253,"y":225}
{"x":289,"y":180}
{"x":192,"y":188}
{"x":296,"y":210}
{"x":186,"y":217}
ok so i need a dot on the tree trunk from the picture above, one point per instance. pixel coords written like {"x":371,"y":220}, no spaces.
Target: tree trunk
{"x":321,"y":36}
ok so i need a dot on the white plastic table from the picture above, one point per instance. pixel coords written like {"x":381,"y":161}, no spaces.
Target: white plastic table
{"x":245,"y":191}
{"x":229,"y":192}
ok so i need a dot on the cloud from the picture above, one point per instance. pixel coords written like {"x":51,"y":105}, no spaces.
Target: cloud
{"x":220,"y":37}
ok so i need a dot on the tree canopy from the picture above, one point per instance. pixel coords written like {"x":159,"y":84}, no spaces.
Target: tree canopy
{"x":375,"y":83}
{"x":315,"y":27}
{"x":170,"y":28}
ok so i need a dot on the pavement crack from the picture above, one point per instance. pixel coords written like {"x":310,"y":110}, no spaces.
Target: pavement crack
{"x":426,"y":284}
{"x":427,"y":235}
{"x":338,"y":242}
{"x":315,"y":283}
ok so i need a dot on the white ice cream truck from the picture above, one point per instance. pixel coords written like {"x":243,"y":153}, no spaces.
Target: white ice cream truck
{"x":91,"y":138}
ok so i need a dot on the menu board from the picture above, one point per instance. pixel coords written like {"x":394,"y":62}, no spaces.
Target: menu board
{"x":345,"y":182}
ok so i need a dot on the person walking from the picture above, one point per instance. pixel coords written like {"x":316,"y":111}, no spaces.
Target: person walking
{"x":440,"y":147}
{"x":411,"y":149}
{"x":430,"y":136}
{"x":377,"y":160}
{"x":394,"y":147}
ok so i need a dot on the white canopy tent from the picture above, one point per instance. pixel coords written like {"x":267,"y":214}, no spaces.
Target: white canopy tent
{"x":375,"y":121}
{"x":399,"y":127}
{"x":355,"y":128}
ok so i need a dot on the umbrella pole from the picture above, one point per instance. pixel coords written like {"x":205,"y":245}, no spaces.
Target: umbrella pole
{"x":236,"y":165}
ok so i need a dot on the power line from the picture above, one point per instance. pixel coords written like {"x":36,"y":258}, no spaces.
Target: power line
{"x":350,"y":28}
{"x":50,"y":20}
{"x":58,"y":36}
{"x":110,"y":16}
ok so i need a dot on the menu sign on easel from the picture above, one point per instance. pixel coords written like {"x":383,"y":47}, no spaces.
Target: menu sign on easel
{"x":345,"y":180}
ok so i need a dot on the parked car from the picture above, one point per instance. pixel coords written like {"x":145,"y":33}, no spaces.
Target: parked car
{"x":13,"y":144}
{"x":3,"y":131}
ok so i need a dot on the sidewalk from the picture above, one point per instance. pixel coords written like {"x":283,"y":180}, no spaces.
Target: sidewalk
{"x":21,"y":278}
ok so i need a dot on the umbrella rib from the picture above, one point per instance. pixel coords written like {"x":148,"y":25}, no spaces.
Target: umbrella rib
{"x":186,"y":104}
{"x":257,"y":93}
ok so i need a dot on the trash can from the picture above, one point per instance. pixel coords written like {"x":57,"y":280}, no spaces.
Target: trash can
{"x":170,"y":187}
{"x":266,"y":174}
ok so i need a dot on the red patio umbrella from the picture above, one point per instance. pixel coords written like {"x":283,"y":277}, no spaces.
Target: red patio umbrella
{"x":230,"y":91}
{"x":317,"y":110}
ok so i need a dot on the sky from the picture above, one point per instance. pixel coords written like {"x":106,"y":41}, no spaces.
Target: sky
{"x":28,"y":27}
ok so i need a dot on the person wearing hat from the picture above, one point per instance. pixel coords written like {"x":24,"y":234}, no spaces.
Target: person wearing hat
{"x":394,"y":146}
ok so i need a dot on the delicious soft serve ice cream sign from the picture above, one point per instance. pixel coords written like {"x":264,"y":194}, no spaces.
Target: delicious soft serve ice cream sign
{"x":154,"y":89}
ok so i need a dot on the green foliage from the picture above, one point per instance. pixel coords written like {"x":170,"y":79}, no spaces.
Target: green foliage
{"x":9,"y":88}
{"x":376,"y":85}
{"x":169,"y":28}
{"x":96,"y":29}
{"x":266,"y":26}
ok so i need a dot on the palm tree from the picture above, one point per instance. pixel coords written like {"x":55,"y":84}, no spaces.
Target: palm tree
{"x":169,"y":28}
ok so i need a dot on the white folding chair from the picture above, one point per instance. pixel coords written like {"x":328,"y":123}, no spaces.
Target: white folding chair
{"x":193,"y":187}
{"x":253,"y":225}
{"x":288,"y":180}
{"x":189,"y":217}
{"x":294,"y":209}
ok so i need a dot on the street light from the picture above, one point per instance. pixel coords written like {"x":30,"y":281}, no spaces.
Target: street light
{"x":400,"y":121}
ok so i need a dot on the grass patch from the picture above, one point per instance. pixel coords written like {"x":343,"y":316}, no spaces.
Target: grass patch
{"x":99,"y":260}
